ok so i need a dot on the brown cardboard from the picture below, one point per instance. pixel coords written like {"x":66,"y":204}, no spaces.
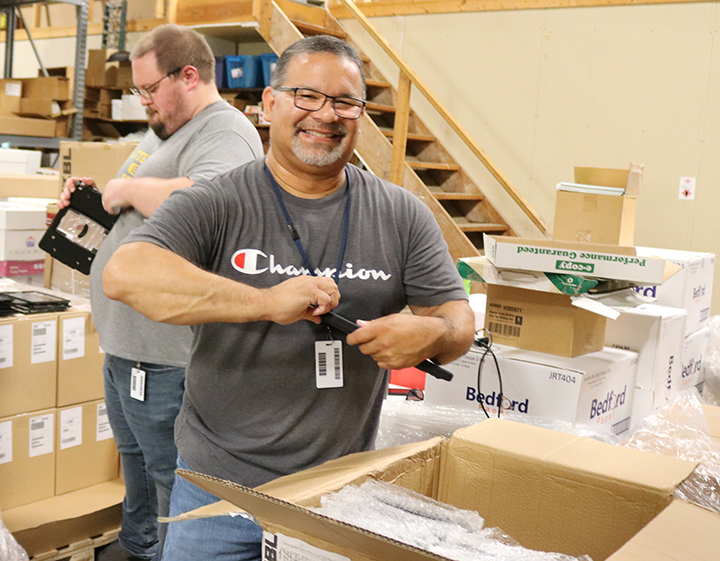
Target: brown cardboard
{"x":599,"y":218}
{"x":24,"y":126}
{"x":119,"y":75}
{"x":66,"y":71}
{"x":34,"y":186}
{"x":80,"y":362}
{"x":59,"y":521}
{"x":540,"y":321}
{"x":549,"y":490}
{"x":10,"y":95}
{"x":53,"y":87}
{"x":98,"y":160}
{"x":27,"y":385}
{"x":26,"y":479}
{"x":96,"y":66}
{"x":82,"y":459}
{"x":44,"y":107}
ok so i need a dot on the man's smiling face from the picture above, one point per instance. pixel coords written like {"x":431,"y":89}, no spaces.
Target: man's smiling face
{"x":319,"y":138}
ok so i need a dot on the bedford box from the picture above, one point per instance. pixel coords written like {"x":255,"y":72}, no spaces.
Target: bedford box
{"x":656,"y":333}
{"x":593,"y":217}
{"x":80,"y":359}
{"x":539,"y":321}
{"x":694,"y":351}
{"x":594,"y":260}
{"x":28,"y":363}
{"x":53,"y":523}
{"x":21,"y":245}
{"x":86,"y":452}
{"x":690,"y":288}
{"x":27,"y":458}
{"x":548,"y":490}
{"x":99,"y":160}
{"x":595,"y":390}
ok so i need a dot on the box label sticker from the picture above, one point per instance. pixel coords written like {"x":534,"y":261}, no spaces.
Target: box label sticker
{"x":41,"y":435}
{"x":6,"y":442}
{"x":687,"y":189}
{"x":73,"y":338}
{"x":12,"y":89}
{"x":276,"y":547}
{"x":44,"y":337}
{"x":6,"y":346}
{"x":70,"y":428}
{"x":103,"y":430}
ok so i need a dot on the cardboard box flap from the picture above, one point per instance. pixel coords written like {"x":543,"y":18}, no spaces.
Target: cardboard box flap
{"x":629,"y":179}
{"x":682,"y":532}
{"x":331,"y":535}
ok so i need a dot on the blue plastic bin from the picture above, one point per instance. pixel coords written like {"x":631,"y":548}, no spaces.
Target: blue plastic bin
{"x":220,"y":80}
{"x":268,"y":61}
{"x":243,"y":71}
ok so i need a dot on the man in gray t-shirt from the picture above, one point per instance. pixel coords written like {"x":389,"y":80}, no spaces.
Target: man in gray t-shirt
{"x":252,"y":259}
{"x":194,"y":135}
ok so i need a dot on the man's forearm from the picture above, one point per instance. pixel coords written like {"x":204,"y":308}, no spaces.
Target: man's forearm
{"x":144,"y":194}
{"x":455,"y":324}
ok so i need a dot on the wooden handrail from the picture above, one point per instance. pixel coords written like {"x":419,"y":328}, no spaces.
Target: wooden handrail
{"x":445,"y":114}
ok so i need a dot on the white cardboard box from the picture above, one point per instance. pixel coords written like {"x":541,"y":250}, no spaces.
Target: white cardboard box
{"x":691,"y":288}
{"x":20,"y":162}
{"x":21,"y":245}
{"x":595,"y":389}
{"x":15,"y":216}
{"x":694,"y":350}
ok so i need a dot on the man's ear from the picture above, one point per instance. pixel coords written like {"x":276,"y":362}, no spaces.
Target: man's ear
{"x":268,"y":98}
{"x":190,"y":76}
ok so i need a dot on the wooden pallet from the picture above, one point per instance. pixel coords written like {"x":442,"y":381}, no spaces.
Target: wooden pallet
{"x":83,"y":550}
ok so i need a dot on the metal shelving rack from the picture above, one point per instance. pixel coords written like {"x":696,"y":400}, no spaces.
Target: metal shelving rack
{"x":10,"y":7}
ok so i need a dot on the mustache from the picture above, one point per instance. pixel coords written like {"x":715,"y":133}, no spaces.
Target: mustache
{"x":333,"y":128}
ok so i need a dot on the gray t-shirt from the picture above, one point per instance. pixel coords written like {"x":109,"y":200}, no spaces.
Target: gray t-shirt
{"x":216,"y":140}
{"x":251,"y":410}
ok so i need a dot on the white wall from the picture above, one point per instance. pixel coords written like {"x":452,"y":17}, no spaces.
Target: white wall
{"x":544,"y":90}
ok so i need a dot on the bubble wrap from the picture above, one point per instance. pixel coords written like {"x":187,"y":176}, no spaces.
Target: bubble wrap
{"x":10,"y":550}
{"x":711,"y":364}
{"x":679,"y":430}
{"x":416,"y":520}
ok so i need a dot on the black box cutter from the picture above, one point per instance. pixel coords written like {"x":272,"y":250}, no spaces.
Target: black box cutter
{"x":346,"y":326}
{"x":78,"y":230}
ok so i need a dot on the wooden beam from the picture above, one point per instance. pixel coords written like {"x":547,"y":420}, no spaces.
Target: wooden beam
{"x":402,"y":118}
{"x":378,"y":8}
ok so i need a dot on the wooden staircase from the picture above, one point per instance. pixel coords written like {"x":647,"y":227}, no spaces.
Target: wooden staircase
{"x":423,"y":166}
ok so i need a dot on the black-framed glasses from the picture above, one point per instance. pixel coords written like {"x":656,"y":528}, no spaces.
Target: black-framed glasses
{"x":148,"y":92}
{"x":312,"y":100}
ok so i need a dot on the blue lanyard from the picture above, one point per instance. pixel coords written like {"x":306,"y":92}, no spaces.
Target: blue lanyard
{"x":296,"y":237}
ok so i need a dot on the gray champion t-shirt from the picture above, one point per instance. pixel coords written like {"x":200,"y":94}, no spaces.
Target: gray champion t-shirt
{"x":216,"y":140}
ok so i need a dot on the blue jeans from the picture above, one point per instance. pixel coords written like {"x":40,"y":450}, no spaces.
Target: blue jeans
{"x":226,"y":538}
{"x":144,"y":432}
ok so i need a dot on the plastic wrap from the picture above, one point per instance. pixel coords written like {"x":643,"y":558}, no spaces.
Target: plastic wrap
{"x":711,"y":364}
{"x":10,"y":550}
{"x":679,"y":429}
{"x":414,"y":519}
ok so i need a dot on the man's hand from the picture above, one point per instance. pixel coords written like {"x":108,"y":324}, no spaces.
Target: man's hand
{"x":115,"y":196}
{"x":299,"y":298}
{"x":69,"y":189}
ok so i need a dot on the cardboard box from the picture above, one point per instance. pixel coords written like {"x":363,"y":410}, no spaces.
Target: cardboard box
{"x":132,"y":108}
{"x":119,"y":75}
{"x":21,"y":245}
{"x":595,"y":390}
{"x":595,"y":260}
{"x":23,"y":126}
{"x":690,"y":288}
{"x":99,"y":160}
{"x":60,"y":521}
{"x":656,"y":333}
{"x":86,"y":452}
{"x":53,"y":87}
{"x":598,"y":218}
{"x":45,"y":107}
{"x":27,"y":458}
{"x":10,"y":95}
{"x":20,"y":162}
{"x":548,"y":490}
{"x":693,"y":352}
{"x":99,"y":72}
{"x":38,"y":186}
{"x":80,"y":359}
{"x":539,"y":321}
{"x":14,"y":216}
{"x":22,"y":268}
{"x":28,"y":363}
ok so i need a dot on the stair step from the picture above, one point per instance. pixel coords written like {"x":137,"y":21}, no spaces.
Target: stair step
{"x":379,"y":107}
{"x":441,"y":195}
{"x":390,"y":133}
{"x":312,"y":29}
{"x":467,"y":226}
{"x":433,"y":165}
{"x":370,"y":83}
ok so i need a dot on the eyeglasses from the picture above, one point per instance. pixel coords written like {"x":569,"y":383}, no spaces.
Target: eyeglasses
{"x":312,"y":100}
{"x":148,"y":92}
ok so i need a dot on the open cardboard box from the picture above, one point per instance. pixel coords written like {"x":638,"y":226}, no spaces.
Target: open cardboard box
{"x":549,"y":490}
{"x":586,"y":259}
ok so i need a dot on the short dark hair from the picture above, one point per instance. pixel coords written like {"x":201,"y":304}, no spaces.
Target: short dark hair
{"x":316,"y":44}
{"x":175,"y":46}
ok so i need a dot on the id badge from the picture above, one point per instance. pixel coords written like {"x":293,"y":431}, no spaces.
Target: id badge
{"x":137,"y":384}
{"x":328,"y":364}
